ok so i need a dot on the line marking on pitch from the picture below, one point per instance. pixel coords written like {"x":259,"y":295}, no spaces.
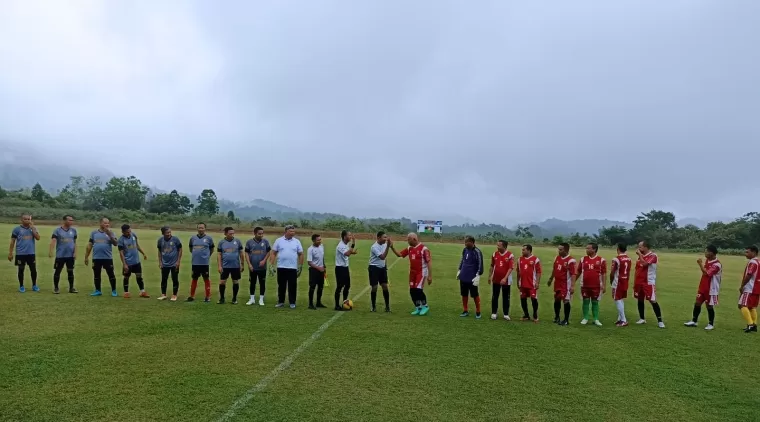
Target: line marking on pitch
{"x":285,"y":364}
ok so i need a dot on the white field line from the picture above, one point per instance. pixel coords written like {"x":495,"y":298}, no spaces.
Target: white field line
{"x":246,"y":398}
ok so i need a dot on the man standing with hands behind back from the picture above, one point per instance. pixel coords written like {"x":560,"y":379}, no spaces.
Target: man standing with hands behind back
{"x":287,"y":259}
{"x":23,"y":240}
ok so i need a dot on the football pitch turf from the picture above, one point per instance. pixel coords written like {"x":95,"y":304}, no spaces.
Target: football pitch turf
{"x":75,"y":357}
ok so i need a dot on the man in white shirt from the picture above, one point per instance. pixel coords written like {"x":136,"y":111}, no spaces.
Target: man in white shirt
{"x":315,"y":259}
{"x":378,"y":272}
{"x":287,"y":258}
{"x":342,"y":275}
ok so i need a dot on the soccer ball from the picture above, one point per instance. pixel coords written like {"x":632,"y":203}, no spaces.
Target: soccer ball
{"x":348,"y":304}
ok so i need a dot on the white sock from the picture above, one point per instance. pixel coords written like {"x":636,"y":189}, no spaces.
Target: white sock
{"x":253,"y":297}
{"x":621,"y":310}
{"x":261,"y":297}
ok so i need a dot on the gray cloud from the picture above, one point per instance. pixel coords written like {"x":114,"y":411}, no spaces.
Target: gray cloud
{"x":500,"y":111}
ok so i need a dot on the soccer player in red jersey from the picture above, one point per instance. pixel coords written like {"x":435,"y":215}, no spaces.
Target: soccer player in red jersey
{"x":644,"y":282}
{"x":592,"y":271}
{"x":619,"y":277}
{"x":420,"y":271}
{"x":709,"y":287}
{"x":502,"y":264}
{"x":749,"y":292}
{"x":529,"y":279}
{"x":563,"y":273}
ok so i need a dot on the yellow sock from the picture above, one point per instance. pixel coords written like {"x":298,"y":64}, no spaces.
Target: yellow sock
{"x":754,"y":316}
{"x":747,"y":316}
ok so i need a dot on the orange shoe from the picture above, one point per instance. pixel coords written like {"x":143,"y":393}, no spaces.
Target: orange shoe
{"x":127,"y":295}
{"x":174,"y":298}
{"x":145,"y":295}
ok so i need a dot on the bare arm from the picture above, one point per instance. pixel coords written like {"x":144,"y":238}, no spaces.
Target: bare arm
{"x":160,"y":261}
{"x":35,"y":233}
{"x":53,"y":241}
{"x":123,"y":260}
{"x":243,"y":259}
{"x":273,"y":258}
{"x":87,"y":252}
{"x":702,"y":266}
{"x":394,"y":251}
{"x":385,"y":253}
{"x":613,"y":270}
{"x":10,"y":250}
{"x":111,"y":239}
{"x":219,"y":261}
{"x":300,"y":259}
{"x":179,"y":257}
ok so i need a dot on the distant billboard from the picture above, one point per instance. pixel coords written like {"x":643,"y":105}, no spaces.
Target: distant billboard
{"x":429,"y":226}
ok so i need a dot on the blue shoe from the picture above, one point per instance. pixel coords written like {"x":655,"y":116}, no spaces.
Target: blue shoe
{"x":416,"y":311}
{"x":292,"y":306}
{"x":35,"y":288}
{"x":424,"y":310}
{"x":114,"y":293}
{"x":96,"y":293}
{"x":22,"y":289}
{"x":477,"y":315}
{"x":464,"y":314}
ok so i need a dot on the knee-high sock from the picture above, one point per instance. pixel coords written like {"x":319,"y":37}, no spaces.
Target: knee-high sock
{"x":193,"y":286}
{"x":57,"y":277}
{"x":140,"y":283}
{"x":20,"y":275}
{"x":586,"y":304}
{"x":557,"y":307}
{"x":222,"y":288}
{"x":753,"y":312}
{"x":477,"y":304}
{"x":595,"y":309}
{"x":373,"y":297}
{"x":387,"y":297}
{"x":524,"y":304}
{"x":465,"y":305}
{"x":126,"y":284}
{"x":621,"y":310}
{"x":207,"y":287}
{"x":535,"y":308}
{"x":657,"y":311}
{"x":710,"y":314}
{"x":423,"y":298}
{"x":70,"y":274}
{"x":641,"y":309}
{"x":695,"y":313}
{"x":747,"y":315}
{"x":235,"y":289}
{"x":33,"y":273}
{"x":567,"y":311}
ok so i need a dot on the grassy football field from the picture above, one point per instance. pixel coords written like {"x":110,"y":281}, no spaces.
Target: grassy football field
{"x":74,"y":357}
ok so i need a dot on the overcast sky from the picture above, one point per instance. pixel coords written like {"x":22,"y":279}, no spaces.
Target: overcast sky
{"x":501,"y":111}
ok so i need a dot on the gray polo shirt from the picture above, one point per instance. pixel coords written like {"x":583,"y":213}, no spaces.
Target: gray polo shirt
{"x":24,"y":240}
{"x":316,"y":255}
{"x":341,"y":260}
{"x":287,"y":252}
{"x":374,"y":255}
{"x":65,"y":241}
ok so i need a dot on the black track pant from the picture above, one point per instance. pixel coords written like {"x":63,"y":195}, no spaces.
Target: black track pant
{"x":287,"y":280}
{"x":504,"y":292}
{"x":103,"y":264}
{"x":174,"y":272}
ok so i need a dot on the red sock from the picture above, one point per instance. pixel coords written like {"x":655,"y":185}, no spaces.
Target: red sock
{"x":477,"y":304}
{"x":465,"y":299}
{"x":193,"y":286}
{"x":207,"y":287}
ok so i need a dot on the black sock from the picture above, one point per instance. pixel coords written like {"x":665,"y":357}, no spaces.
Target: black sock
{"x":695,"y":313}
{"x":387,"y":298}
{"x":657,"y":312}
{"x":21,"y":276}
{"x":235,"y":289}
{"x":641,"y":309}
{"x":374,"y":298}
{"x":112,"y":281}
{"x":711,"y":314}
{"x":71,"y":279}
{"x":311,"y":296}
{"x":524,"y":304}
{"x":222,"y":288}
{"x":56,"y":278}
{"x":567,"y":311}
{"x":125,"y":283}
{"x":557,"y":307}
{"x":140,"y":283}
{"x":535,"y":308}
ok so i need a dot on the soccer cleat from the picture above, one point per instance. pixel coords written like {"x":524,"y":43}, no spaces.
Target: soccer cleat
{"x":261,"y":302}
{"x":753,"y":328}
{"x":387,"y":309}
{"x":144,"y":295}
{"x":35,"y":288}
{"x":425,"y":309}
{"x":372,"y":309}
{"x":292,"y":306}
{"x":535,"y":321}
{"x":618,"y":322}
{"x":584,"y":321}
{"x":494,"y":317}
{"x":598,"y":323}
{"x":464,"y":314}
{"x":190,"y":299}
{"x":280,"y":305}
{"x":162,"y":297}
{"x":221,"y":301}
{"x":748,"y":329}
{"x":114,"y":293}
{"x":525,"y":318}
{"x":206,"y":300}
{"x":690,"y":324}
{"x":96,"y":293}
{"x":623,"y":324}
{"x":556,"y":320}
{"x":641,"y":321}
{"x":22,"y":289}
{"x":507,"y":318}
{"x":234,"y":302}
{"x":477,"y":315}
{"x":661,"y":324}
{"x":320,"y":305}
{"x":250,"y":302}
{"x":709,"y":327}
{"x":564,"y":323}
{"x":73,"y":290}
{"x":173,"y":298}
{"x":416,"y":311}
{"x":56,"y":291}
{"x":312,"y":307}
{"x":127,"y":295}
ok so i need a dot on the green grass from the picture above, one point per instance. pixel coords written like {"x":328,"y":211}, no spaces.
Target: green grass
{"x":73,"y":357}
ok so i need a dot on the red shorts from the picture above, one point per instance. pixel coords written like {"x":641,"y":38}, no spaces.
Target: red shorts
{"x":526,"y":292}
{"x":417,"y":280}
{"x":563,"y":294}
{"x":619,"y":293}
{"x":749,"y":300}
{"x":703,"y":297}
{"x":593,"y":293}
{"x":645,"y":292}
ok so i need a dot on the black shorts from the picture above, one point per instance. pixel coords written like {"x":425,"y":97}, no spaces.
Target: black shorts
{"x":134,"y":269}
{"x":99,"y":264}
{"x":60,"y":262}
{"x":377,"y":275}
{"x":257,"y":275}
{"x":200,"y":271}
{"x":342,"y":277}
{"x":468,"y":289}
{"x":316,"y":278}
{"x":25,"y":260}
{"x":233,"y":273}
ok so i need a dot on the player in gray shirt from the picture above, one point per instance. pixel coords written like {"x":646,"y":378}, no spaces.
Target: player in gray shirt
{"x":101,"y":246}
{"x":315,"y":258}
{"x":169,"y":259}
{"x":230,"y":261}
{"x":64,"y":241}
{"x":378,"y":273}
{"x":23,"y":240}
{"x":257,"y":252}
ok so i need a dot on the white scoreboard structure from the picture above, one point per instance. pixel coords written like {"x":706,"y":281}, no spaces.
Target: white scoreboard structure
{"x":429,"y":226}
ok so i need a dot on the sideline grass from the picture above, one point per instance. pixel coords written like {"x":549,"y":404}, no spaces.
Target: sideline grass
{"x":73,"y":357}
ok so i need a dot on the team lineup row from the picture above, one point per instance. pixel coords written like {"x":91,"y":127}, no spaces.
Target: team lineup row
{"x":285,"y":258}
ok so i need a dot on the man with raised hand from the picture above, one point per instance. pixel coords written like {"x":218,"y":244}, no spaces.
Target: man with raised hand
{"x":129,"y":252}
{"x":231,"y":263}
{"x":470,"y":270}
{"x":201,"y":247}
{"x":342,"y":274}
{"x":23,"y":239}
{"x":169,"y":259}
{"x":645,"y":280}
{"x":709,"y":287}
{"x":315,"y":259}
{"x":287,"y":259}
{"x":257,"y":251}
{"x":64,"y":240}
{"x":378,"y":272}
{"x":420,"y":271}
{"x":101,"y":245}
